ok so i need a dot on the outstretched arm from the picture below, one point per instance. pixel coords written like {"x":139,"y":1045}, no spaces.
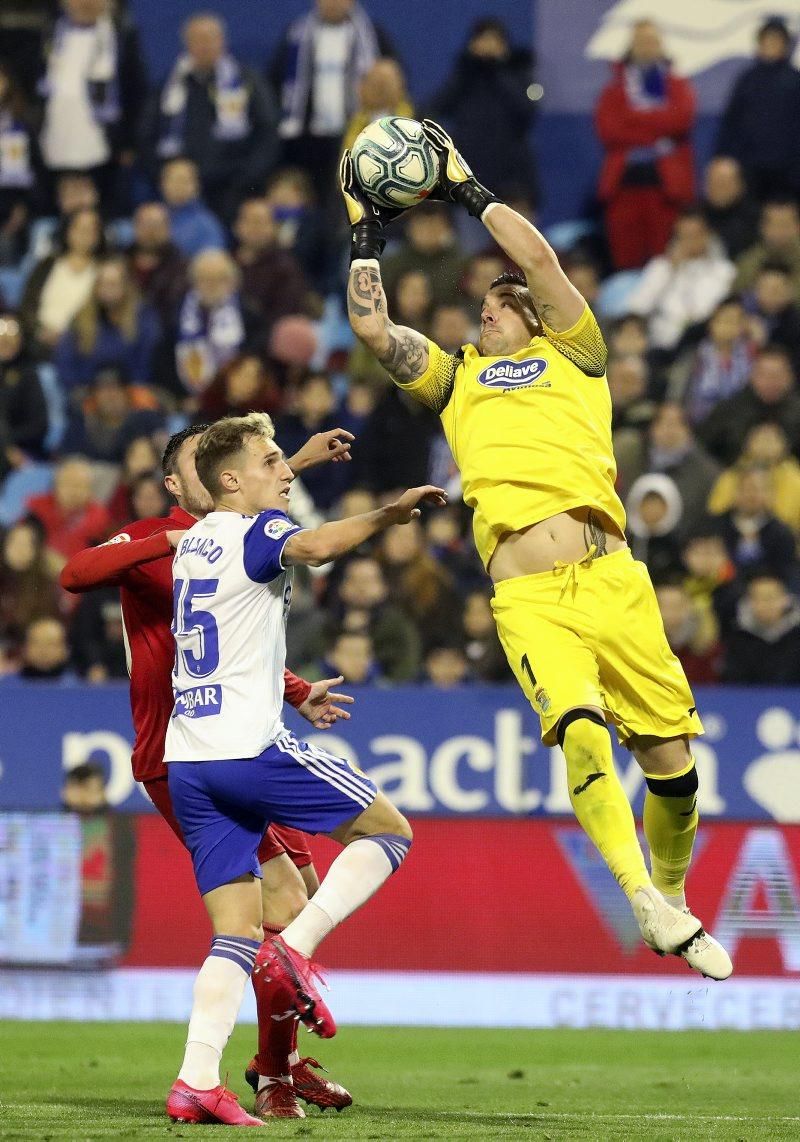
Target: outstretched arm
{"x":557,"y":301}
{"x":403,"y":352}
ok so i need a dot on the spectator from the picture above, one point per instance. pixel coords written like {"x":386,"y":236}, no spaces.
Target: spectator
{"x":318,"y":68}
{"x":691,"y":631}
{"x":299,"y":225}
{"x":216,"y":112}
{"x":775,"y":319}
{"x":141,"y":457}
{"x":18,"y":161}
{"x":643,"y":118}
{"x":771,"y":395}
{"x":45,"y":652}
{"x":272,"y":280}
{"x":351,"y":655}
{"x":72,"y":192}
{"x":654,"y":509}
{"x":445,"y":537}
{"x":149,"y":497}
{"x":729,"y":209}
{"x":479,"y":273}
{"x":485,"y":102}
{"x":446,"y":666}
{"x":711,"y":573}
{"x":429,"y":246}
{"x":23,"y":408}
{"x":485,"y":655}
{"x":115,"y":329}
{"x":110,"y":422}
{"x":97,"y":637}
{"x":752,"y":533}
{"x":718,"y":367}
{"x":93,"y":85}
{"x":761,"y":124}
{"x":315,"y":411}
{"x":194,"y":227}
{"x":395,"y":444}
{"x":412,"y":299}
{"x":450,"y":327}
{"x":361,"y":604}
{"x":671,"y":448}
{"x":382,"y":91}
{"x":627,"y":337}
{"x":423,"y":588}
{"x":214,"y":325}
{"x":764,"y":647}
{"x":84,"y":789}
{"x":680,"y":289}
{"x":27,"y":589}
{"x":778,"y":242}
{"x":62,"y":283}
{"x":244,"y":385}
{"x":71,"y":517}
{"x":158,"y":267}
{"x":765,"y":447}
{"x":631,"y":406}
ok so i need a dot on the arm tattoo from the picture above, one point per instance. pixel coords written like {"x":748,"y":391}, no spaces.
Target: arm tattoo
{"x":544,"y":310}
{"x":406,"y":356}
{"x":365,"y":293}
{"x":594,"y":533}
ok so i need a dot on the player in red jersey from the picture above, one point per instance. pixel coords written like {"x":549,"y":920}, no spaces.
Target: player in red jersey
{"x":138,"y":560}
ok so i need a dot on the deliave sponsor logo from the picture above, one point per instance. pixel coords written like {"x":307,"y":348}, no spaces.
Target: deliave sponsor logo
{"x":507,"y":374}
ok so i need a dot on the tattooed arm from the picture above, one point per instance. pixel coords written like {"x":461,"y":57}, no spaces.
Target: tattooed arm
{"x":557,"y":301}
{"x":403,"y":352}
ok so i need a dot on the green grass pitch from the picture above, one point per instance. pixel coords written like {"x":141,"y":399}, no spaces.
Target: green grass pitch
{"x":93,"y":1081}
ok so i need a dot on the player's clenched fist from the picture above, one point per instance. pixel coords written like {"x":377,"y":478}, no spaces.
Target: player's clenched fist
{"x":457,"y":183}
{"x":406,"y":508}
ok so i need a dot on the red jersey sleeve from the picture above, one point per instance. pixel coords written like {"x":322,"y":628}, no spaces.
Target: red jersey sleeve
{"x":105,"y":566}
{"x":295,"y":690}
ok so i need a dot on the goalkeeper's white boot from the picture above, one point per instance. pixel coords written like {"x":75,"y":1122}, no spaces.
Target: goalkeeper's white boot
{"x":704,"y":953}
{"x":676,"y":932}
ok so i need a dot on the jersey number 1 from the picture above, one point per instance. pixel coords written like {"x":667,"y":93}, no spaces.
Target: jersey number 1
{"x":189,"y":621}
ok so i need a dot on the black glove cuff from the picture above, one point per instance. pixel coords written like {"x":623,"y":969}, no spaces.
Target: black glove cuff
{"x":367,"y":240}
{"x":474,"y":197}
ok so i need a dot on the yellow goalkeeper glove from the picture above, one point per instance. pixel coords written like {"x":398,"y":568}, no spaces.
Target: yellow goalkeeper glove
{"x":457,"y":183}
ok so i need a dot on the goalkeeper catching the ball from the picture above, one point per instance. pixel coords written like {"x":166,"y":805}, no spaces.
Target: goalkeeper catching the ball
{"x":527,"y":415}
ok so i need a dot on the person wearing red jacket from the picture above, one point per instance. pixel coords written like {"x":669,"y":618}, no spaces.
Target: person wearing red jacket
{"x":138,"y":559}
{"x":643,"y":119}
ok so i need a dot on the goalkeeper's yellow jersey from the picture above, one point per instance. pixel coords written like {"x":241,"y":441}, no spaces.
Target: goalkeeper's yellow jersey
{"x":529,"y":431}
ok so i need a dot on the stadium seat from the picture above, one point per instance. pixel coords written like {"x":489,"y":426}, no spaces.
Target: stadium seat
{"x":18,"y":486}
{"x":612,"y":300}
{"x":565,"y":235}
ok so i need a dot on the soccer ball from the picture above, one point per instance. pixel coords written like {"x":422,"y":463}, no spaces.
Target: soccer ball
{"x":394,"y":162}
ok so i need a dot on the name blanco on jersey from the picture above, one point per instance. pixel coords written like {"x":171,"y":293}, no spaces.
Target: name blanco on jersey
{"x":512,"y":374}
{"x":197,"y":545}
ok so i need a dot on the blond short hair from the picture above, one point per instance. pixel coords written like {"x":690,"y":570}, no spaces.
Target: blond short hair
{"x":225,"y":439}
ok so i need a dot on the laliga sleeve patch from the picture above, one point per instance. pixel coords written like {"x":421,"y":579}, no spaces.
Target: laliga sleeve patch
{"x":275,"y":528}
{"x":123,"y":537}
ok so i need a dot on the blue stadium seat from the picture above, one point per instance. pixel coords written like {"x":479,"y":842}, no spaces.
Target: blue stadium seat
{"x":18,"y":486}
{"x":565,"y":235}
{"x":56,"y":406}
{"x":612,"y":300}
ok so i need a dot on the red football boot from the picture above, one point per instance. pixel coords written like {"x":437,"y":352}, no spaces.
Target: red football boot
{"x":311,"y":1088}
{"x":220,"y":1105}
{"x":315,"y":1089}
{"x":278,"y":1100}
{"x":295,"y":973}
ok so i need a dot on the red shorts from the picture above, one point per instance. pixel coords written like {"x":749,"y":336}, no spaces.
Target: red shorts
{"x":277,"y":839}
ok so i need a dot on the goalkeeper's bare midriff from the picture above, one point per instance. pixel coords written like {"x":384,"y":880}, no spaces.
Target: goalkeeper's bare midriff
{"x":565,"y":538}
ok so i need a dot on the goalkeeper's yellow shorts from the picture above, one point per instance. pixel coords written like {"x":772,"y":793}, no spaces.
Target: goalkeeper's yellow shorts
{"x":590,"y":634}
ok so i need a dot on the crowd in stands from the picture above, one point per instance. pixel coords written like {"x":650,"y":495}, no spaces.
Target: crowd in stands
{"x":177,"y":253}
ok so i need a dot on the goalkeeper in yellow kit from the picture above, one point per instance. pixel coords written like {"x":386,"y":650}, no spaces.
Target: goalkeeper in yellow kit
{"x":527,"y":414}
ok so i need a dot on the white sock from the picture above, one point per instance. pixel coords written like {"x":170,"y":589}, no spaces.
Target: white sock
{"x":678,"y":902}
{"x":294,"y":1058}
{"x":266,"y":1080}
{"x":218,"y":993}
{"x":355,"y":875}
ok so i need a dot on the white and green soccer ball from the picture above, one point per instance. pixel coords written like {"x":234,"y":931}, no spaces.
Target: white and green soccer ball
{"x":394,"y":163}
